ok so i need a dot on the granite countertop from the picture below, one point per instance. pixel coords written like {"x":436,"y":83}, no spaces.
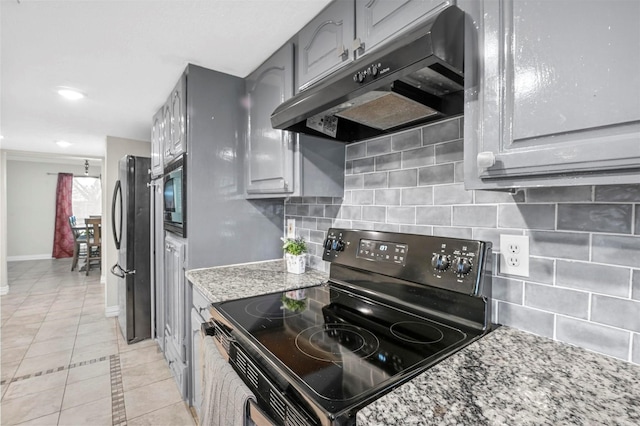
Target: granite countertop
{"x":250,"y":279}
{"x":508,"y":377}
{"x":511,"y":377}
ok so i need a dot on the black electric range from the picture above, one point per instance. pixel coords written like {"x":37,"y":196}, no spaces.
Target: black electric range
{"x":394,"y":305}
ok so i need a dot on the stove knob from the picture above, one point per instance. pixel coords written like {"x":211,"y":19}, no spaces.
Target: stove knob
{"x":374,"y":70}
{"x":327,"y":244}
{"x":359,"y":77}
{"x":462,"y":265}
{"x":339,"y":245}
{"x":440,"y":261}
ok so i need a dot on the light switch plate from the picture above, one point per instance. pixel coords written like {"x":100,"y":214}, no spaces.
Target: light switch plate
{"x":291,"y":228}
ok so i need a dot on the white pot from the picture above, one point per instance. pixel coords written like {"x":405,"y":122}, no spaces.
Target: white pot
{"x":296,"y":264}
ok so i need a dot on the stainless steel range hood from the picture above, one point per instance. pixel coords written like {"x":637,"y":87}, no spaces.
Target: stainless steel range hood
{"x":415,"y":79}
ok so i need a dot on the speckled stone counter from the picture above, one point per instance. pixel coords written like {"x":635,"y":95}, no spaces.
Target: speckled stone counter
{"x":511,"y":377}
{"x":250,"y":279}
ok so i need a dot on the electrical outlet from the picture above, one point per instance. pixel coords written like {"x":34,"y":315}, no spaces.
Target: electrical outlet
{"x":291,"y":228}
{"x":514,"y":255}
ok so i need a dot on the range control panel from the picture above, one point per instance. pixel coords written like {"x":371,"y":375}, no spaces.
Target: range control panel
{"x":382,"y":251}
{"x":450,"y":263}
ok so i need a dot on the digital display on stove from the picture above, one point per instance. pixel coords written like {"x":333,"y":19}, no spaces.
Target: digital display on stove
{"x":383,"y":251}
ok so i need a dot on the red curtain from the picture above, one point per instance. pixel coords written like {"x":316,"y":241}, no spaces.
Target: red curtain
{"x":63,"y":237}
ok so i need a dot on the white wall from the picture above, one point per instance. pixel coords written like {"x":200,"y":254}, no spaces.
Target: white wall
{"x":116,"y":149}
{"x":31,"y":205}
{"x":4,"y":279}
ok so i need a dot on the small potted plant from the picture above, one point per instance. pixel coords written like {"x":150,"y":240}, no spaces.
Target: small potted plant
{"x":295,"y":250}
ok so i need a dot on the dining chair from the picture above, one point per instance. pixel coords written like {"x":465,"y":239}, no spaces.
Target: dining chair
{"x":79,"y":241}
{"x":94,"y":243}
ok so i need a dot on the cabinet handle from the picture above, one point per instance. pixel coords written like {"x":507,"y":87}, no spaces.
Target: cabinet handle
{"x":358,"y":45}
{"x":343,"y":53}
{"x":486,"y":159}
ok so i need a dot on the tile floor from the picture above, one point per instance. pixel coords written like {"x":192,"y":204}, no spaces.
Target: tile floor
{"x":65,"y":363}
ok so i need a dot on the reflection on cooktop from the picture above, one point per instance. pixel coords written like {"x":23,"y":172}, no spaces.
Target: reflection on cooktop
{"x":330,"y":341}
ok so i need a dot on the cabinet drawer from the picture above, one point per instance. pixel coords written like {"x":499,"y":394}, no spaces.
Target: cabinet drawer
{"x":201,"y":304}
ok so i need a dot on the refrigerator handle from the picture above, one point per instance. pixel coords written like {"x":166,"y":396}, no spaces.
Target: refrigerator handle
{"x":121,"y":273}
{"x":117,"y":271}
{"x":116,"y":235}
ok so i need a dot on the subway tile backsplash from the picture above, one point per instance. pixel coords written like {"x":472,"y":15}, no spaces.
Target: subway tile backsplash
{"x":584,"y":283}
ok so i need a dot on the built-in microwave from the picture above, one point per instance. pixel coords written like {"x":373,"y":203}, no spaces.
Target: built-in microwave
{"x":175,"y":197}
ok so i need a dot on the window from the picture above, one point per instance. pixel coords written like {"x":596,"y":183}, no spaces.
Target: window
{"x":87,"y":197}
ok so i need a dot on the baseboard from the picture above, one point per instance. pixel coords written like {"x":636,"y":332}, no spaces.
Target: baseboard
{"x":4,"y":290}
{"x":29,"y":257}
{"x":111,"y":311}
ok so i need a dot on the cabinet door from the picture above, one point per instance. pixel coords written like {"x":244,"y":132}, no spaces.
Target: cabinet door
{"x":324,"y":44}
{"x":379,"y":20}
{"x":178,"y":368}
{"x":557,"y":101}
{"x":196,"y":364}
{"x":175,"y":297}
{"x":158,"y":250}
{"x":199,"y":315}
{"x":178,"y":105}
{"x":269,"y":151}
{"x":166,"y":134}
{"x":156,"y":145}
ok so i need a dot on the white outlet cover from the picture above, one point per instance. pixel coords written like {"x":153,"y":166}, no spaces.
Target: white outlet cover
{"x":291,"y":228}
{"x":514,"y":255}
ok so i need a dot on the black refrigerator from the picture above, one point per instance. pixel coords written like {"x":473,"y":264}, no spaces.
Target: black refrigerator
{"x":130,"y":222}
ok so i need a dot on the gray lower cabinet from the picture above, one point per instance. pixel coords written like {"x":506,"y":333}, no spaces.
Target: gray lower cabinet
{"x":158,"y":265}
{"x":553,"y":93}
{"x":175,"y":309}
{"x":378,"y":21}
{"x":199,"y":315}
{"x":324,"y":44}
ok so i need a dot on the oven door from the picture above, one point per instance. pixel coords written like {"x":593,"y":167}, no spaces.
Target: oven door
{"x":271,"y":403}
{"x":253,"y":411}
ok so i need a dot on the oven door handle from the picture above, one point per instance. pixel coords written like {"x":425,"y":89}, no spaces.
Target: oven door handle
{"x":207,"y":329}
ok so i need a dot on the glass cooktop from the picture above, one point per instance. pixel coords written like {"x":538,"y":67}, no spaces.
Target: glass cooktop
{"x":340,"y":346}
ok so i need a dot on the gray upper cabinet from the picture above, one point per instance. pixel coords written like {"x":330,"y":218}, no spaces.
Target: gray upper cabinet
{"x":380,"y":20}
{"x":324,"y":44}
{"x":178,"y":105}
{"x":157,"y":142}
{"x":175,"y":120}
{"x":554,"y":96}
{"x":269,"y":151}
{"x":166,"y":134}
{"x":280,"y":163}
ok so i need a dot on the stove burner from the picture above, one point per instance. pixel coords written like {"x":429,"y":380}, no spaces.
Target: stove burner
{"x":267,"y":309}
{"x":329,"y":341}
{"x":416,"y":332}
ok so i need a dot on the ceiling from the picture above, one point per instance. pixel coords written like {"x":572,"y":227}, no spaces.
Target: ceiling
{"x":126,"y":55}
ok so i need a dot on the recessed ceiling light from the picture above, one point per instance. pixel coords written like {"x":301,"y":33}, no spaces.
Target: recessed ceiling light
{"x":63,"y":144}
{"x":71,"y":94}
